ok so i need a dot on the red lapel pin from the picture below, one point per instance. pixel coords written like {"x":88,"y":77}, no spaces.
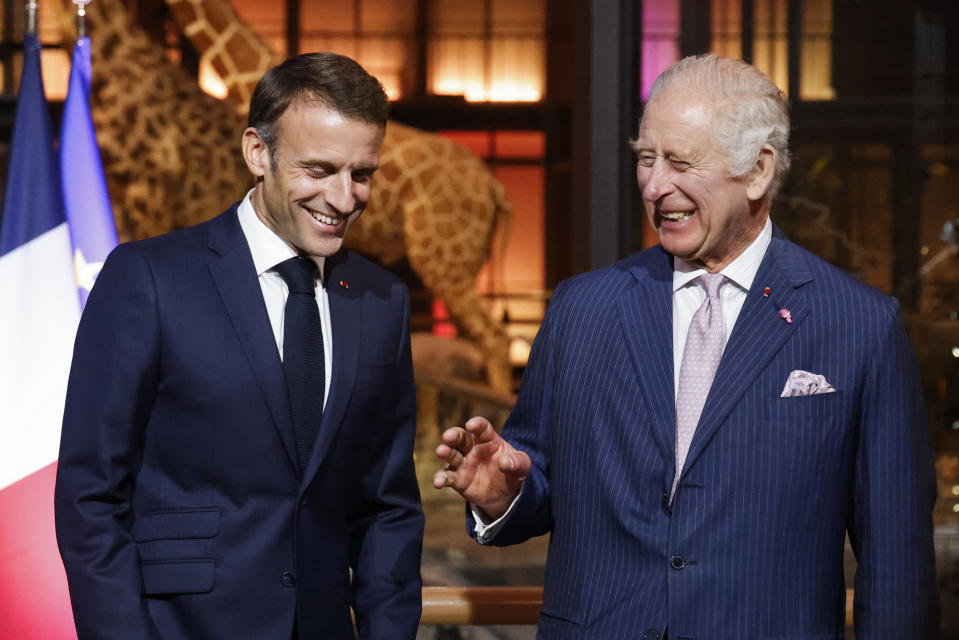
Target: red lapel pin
{"x":765,"y":292}
{"x":344,"y":284}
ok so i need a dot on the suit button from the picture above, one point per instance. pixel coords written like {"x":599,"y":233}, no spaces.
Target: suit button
{"x":677,"y":562}
{"x":651,"y":634}
{"x":287,"y":579}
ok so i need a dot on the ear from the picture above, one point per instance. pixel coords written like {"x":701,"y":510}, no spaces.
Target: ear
{"x":761,"y":175}
{"x":256,"y":153}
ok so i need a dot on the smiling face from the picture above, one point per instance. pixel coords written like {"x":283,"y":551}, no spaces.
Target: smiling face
{"x":322,"y":178}
{"x":701,"y":213}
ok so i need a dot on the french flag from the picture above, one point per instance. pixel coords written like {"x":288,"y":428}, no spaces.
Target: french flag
{"x":39,"y":313}
{"x":85,"y":197}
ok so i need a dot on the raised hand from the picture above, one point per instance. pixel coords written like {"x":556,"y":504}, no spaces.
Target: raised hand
{"x":481,"y":466}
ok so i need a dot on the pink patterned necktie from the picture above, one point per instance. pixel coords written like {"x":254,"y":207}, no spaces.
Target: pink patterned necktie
{"x":704,"y":348}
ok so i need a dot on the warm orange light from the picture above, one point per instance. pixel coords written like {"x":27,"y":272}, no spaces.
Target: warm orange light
{"x":502,"y":89}
{"x":55,"y":67}
{"x":509,"y":71}
{"x":211,"y":82}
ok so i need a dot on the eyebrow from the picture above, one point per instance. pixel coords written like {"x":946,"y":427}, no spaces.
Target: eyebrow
{"x":331,"y":167}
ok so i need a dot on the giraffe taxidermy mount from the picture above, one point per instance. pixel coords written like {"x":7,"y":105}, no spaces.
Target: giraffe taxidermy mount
{"x":172,"y":158}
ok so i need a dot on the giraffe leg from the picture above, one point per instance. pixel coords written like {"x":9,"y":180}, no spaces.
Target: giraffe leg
{"x":448,"y":269}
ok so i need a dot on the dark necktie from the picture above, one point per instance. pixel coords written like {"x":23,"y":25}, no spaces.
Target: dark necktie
{"x":303,"y":360}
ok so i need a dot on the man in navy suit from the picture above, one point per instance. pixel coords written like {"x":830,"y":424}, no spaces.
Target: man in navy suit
{"x":810,"y":422}
{"x":187,"y":504}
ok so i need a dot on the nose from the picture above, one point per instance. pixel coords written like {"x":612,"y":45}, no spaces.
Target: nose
{"x":654,"y":181}
{"x":339,"y":193}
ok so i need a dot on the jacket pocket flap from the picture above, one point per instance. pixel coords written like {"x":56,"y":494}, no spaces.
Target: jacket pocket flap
{"x":812,"y":406}
{"x":178,"y":576}
{"x":180,"y":524}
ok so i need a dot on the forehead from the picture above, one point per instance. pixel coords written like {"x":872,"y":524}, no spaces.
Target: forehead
{"x":676,"y":119}
{"x":310,"y":127}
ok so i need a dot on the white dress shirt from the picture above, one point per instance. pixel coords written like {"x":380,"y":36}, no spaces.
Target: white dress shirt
{"x":687,"y":298}
{"x":269,"y":250}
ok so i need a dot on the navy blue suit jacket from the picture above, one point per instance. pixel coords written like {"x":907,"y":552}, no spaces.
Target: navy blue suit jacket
{"x":752,"y":546}
{"x":180,"y":508}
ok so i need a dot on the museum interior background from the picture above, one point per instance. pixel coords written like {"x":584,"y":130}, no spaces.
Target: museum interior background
{"x":545,"y":95}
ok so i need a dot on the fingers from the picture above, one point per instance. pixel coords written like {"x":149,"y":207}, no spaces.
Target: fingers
{"x":481,"y":429}
{"x":449,"y":455}
{"x":443,"y":478}
{"x":457,"y":438}
{"x":515,"y":463}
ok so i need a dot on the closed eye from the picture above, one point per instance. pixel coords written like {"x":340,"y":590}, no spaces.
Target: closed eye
{"x":364,"y":175}
{"x":647,"y":159}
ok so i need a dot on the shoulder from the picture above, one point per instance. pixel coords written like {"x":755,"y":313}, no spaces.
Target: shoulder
{"x":829,"y":286}
{"x":604,"y":286}
{"x":843,"y":310}
{"x":183,"y":248}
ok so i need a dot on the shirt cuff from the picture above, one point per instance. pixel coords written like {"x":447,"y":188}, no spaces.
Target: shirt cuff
{"x":486,"y":530}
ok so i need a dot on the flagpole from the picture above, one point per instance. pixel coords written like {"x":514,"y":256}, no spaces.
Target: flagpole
{"x":81,"y":17}
{"x":31,"y":12}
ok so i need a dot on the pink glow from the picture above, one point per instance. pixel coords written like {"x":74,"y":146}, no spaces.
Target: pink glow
{"x":660,"y":40}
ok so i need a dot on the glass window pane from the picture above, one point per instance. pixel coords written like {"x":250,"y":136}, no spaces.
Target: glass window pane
{"x":771,"y":45}
{"x":815,"y":82}
{"x":520,"y":144}
{"x":325,"y":17}
{"x":479,"y":142}
{"x":726,"y":28}
{"x":524,"y":262}
{"x":457,"y":67}
{"x":660,"y":40}
{"x":842,"y":209}
{"x":266,"y":19}
{"x":391,"y":16}
{"x":516,"y":70}
{"x":454,"y":17}
{"x":55,"y":64}
{"x":939,"y":271}
{"x":511,"y":17}
{"x":388,"y":59}
{"x":320,"y":41}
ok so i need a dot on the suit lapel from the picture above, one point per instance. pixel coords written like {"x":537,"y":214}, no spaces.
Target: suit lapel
{"x":646,"y":311}
{"x":346,"y":320}
{"x":758,"y":335}
{"x":231,"y":265}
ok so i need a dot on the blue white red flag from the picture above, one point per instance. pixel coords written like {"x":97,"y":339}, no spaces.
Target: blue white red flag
{"x":85,"y":196}
{"x":38,"y":320}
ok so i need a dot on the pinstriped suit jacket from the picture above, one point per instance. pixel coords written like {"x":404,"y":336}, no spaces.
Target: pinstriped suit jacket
{"x":753,"y":544}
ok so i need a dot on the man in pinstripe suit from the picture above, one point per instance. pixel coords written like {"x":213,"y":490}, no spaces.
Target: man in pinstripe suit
{"x":812,"y":425}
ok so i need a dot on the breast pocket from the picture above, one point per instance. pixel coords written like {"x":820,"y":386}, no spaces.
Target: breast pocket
{"x":175,"y":550}
{"x":804,"y":430}
{"x":804,"y":408}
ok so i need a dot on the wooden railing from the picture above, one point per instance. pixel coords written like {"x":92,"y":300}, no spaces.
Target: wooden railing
{"x":499,"y":605}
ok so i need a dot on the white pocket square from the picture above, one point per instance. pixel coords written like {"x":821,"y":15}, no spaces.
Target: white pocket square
{"x":803,"y":383}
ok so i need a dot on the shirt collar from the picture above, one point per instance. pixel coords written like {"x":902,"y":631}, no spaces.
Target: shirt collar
{"x":267,"y":248}
{"x":742,"y":271}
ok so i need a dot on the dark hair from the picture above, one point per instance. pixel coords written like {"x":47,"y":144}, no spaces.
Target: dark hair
{"x":327,"y":79}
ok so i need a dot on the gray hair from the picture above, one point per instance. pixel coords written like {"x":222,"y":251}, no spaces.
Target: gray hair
{"x":750,"y":110}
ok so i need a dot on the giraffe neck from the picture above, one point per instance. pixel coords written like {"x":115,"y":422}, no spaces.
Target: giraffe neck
{"x":223,"y":40}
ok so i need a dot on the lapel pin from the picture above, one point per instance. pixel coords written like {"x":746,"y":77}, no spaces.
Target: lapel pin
{"x":765,"y":292}
{"x":344,"y":284}
{"x":785,"y":315}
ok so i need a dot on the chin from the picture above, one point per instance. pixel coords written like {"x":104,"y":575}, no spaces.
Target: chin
{"x":325,"y":249}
